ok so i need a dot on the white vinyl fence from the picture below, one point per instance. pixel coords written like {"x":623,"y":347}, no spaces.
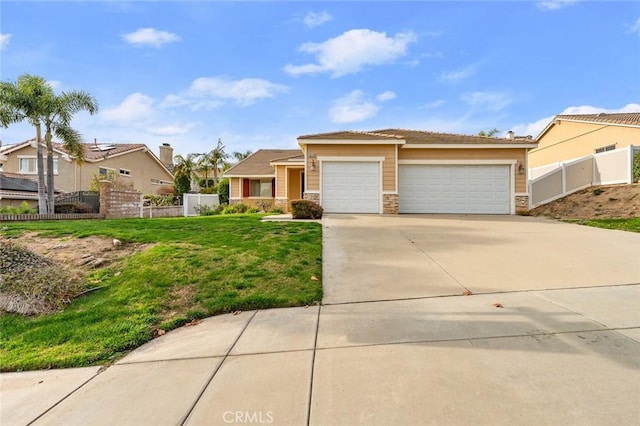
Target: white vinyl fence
{"x":553,"y":181}
{"x":193,"y":202}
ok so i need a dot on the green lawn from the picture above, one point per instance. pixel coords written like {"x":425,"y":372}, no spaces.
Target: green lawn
{"x":198,"y":267}
{"x":631,"y":225}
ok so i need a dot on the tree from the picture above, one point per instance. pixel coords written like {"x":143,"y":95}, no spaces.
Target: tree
{"x":183,"y":172}
{"x":28,"y":99}
{"x":57,"y":121}
{"x":217,"y":157}
{"x":490,"y":134}
{"x":31,"y":98}
{"x":239,"y":156}
{"x":204,"y":166}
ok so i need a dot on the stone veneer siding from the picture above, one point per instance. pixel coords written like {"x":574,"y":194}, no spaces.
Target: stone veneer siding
{"x":312,"y":196}
{"x":390,"y":203}
{"x":522,"y":204}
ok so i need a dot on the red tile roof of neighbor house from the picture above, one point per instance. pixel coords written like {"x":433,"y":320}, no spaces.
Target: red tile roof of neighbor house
{"x":417,"y":137}
{"x":629,"y":118}
{"x":258,"y":163}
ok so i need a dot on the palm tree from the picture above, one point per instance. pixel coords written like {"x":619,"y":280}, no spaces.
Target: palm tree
{"x":239,"y":156}
{"x":204,"y":166}
{"x":57,"y":121}
{"x":31,"y":98}
{"x":28,"y":99}
{"x":184,"y":171}
{"x":218,"y":157}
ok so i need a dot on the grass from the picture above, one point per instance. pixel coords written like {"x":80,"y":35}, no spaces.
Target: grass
{"x":197,"y":267}
{"x":631,"y":224}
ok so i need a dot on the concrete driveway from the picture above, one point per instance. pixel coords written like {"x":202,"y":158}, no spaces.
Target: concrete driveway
{"x":396,"y":342}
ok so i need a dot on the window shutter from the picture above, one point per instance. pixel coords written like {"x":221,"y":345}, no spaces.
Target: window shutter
{"x":245,"y":188}
{"x":273,"y":187}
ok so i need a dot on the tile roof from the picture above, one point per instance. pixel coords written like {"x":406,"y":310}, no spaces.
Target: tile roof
{"x":96,"y":152}
{"x":630,"y":118}
{"x":351,"y":135}
{"x":258,"y":163}
{"x":423,"y":137}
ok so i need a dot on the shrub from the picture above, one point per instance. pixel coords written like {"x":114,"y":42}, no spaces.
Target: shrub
{"x":77,"y":207}
{"x":206,"y":210}
{"x":23,"y":208}
{"x":253,"y":210}
{"x":209,"y":190}
{"x":229,"y":210}
{"x":223,"y":191}
{"x":636,"y":167}
{"x":306,"y":209}
{"x":241,"y":208}
{"x":276,"y":210}
{"x":160,"y":200}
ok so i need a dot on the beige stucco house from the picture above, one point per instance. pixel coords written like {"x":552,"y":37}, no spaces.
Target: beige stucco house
{"x":390,"y":171}
{"x":134,"y":165}
{"x":569,"y":137}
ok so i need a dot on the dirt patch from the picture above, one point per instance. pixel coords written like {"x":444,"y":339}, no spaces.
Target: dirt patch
{"x":598,"y":202}
{"x":61,"y":273}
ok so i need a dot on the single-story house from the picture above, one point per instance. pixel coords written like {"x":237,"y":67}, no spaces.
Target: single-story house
{"x":571,"y":136}
{"x":134,"y":165}
{"x":390,"y":171}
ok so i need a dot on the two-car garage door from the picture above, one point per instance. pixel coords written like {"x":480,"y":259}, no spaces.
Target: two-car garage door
{"x":471,"y":189}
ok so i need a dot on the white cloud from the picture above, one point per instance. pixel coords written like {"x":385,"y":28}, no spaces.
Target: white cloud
{"x":55,"y":84}
{"x":458,"y":75}
{"x":133,"y":108}
{"x":314,"y":19}
{"x":351,"y":51}
{"x":635,"y":28}
{"x":213,"y":91}
{"x":537,"y":126}
{"x":555,"y":4}
{"x":435,"y":104}
{"x":4,"y":40}
{"x":386,"y":96}
{"x":492,"y":101}
{"x":352,"y":107}
{"x":150,"y":37}
{"x":170,"y":130}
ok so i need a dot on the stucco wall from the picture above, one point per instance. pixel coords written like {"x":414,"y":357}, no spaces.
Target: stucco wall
{"x":568,"y":140}
{"x":74,"y":177}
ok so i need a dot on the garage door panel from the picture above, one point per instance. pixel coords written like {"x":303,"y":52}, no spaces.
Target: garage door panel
{"x":479,"y":189}
{"x":351,"y":187}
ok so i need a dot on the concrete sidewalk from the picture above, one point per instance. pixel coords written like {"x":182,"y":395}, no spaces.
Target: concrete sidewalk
{"x":554,"y":356}
{"x":544,"y":357}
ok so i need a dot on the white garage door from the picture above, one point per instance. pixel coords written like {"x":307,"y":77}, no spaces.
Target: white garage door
{"x":351,"y":187}
{"x":454,"y":189}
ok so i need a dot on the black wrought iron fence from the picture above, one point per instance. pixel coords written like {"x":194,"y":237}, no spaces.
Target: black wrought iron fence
{"x":87,"y":197}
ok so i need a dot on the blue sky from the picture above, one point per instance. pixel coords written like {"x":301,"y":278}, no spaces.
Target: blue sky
{"x":259,"y":74}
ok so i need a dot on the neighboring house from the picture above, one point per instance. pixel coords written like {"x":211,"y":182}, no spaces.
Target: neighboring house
{"x":134,"y":165}
{"x":569,"y":137}
{"x":14,"y":189}
{"x":391,"y":171}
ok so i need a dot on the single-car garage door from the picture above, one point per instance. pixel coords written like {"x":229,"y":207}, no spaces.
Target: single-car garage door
{"x":474,"y":189}
{"x":351,"y":187}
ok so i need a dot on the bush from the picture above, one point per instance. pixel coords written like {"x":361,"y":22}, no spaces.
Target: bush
{"x":229,"y":210}
{"x":223,"y":191}
{"x":206,"y":210}
{"x":209,"y":190}
{"x":241,"y":208}
{"x":23,"y":208}
{"x":636,"y":167}
{"x":253,"y":210}
{"x":276,"y":210}
{"x":160,"y":200}
{"x":77,"y":207}
{"x":306,"y":209}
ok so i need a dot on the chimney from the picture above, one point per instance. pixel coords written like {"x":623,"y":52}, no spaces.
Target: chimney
{"x":510,"y":134}
{"x":166,"y":155}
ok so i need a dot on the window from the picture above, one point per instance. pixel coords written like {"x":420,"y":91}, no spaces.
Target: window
{"x":125,"y":172}
{"x":606,"y":148}
{"x":260,"y":188}
{"x":27,"y":165}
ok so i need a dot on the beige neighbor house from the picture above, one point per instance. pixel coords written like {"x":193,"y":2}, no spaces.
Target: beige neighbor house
{"x":134,"y":165}
{"x":569,"y":137}
{"x":390,"y":171}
